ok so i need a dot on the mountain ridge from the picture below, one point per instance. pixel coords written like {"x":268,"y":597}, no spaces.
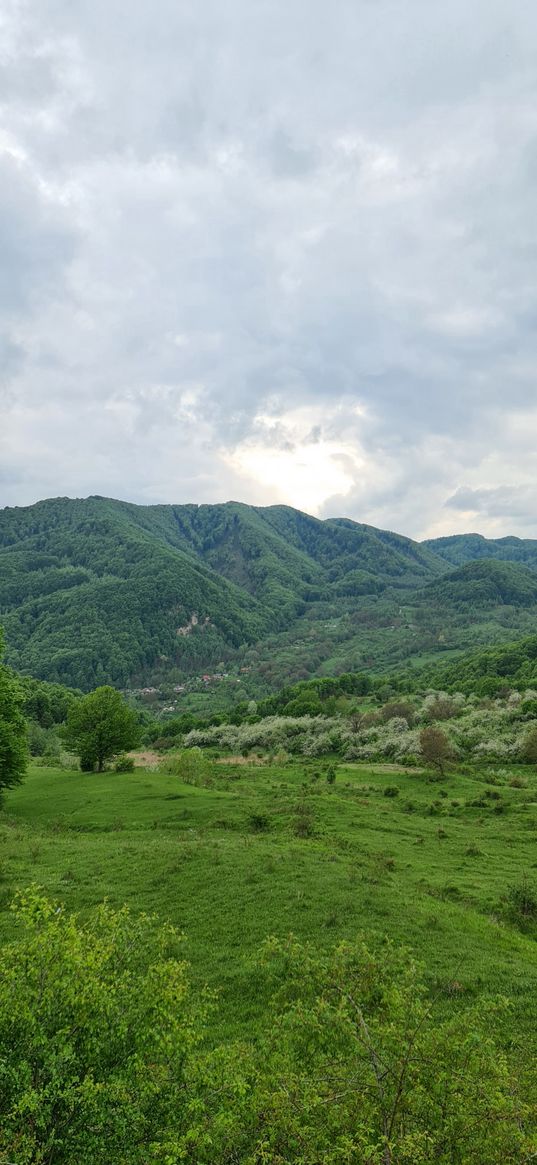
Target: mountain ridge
{"x":95,"y":589}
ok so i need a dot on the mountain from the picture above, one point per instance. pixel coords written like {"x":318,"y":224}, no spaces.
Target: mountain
{"x":97,"y":589}
{"x":460,"y":548}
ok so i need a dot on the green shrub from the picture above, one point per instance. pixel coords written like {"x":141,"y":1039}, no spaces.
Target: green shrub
{"x":191,"y":765}
{"x":124,"y":764}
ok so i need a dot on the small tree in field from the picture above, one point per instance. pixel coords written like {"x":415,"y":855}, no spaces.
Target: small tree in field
{"x":13,"y":743}
{"x":100,"y":726}
{"x":529,"y":747}
{"x":435,"y":748}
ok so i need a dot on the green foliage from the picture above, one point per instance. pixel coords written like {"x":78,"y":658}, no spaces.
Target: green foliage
{"x":460,"y":548}
{"x":165,"y":593}
{"x":104,"y":1057}
{"x":521,"y":902}
{"x":529,"y":746}
{"x":97,"y":1029}
{"x":486,"y":583}
{"x":13,"y":737}
{"x":99,"y":726}
{"x":179,"y":588}
{"x":357,"y":1070}
{"x":488,"y":671}
{"x":124,"y":764}
{"x":190,"y":765}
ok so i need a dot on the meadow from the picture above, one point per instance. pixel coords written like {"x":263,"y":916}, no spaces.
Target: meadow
{"x":446,"y":867}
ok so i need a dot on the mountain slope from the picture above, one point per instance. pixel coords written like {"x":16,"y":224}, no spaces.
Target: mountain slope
{"x":95,"y":589}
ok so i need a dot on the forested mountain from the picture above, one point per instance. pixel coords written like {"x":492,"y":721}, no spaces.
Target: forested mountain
{"x":99,"y":590}
{"x":485,"y":583}
{"x":96,"y":589}
{"x":460,"y":548}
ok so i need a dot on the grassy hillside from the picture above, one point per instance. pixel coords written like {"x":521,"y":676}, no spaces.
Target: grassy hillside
{"x":260,"y":850}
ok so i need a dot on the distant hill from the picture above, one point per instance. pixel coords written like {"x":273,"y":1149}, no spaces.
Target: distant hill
{"x":485,"y":583}
{"x":460,"y":548}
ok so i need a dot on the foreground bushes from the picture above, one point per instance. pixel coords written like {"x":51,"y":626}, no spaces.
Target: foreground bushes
{"x":104,"y":1058}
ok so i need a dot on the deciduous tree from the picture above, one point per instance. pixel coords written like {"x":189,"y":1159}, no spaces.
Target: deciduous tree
{"x":99,"y":726}
{"x":13,"y":741}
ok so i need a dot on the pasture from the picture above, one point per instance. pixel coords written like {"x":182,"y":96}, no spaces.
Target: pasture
{"x":446,"y":867}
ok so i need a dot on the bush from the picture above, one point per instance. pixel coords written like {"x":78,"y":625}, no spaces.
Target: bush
{"x":124,"y":764}
{"x":304,"y":823}
{"x":97,"y":1029}
{"x":392,"y":791}
{"x":102,"y":1036}
{"x":521,"y":902}
{"x":259,"y":822}
{"x":354,"y":1062}
{"x":190,"y":765}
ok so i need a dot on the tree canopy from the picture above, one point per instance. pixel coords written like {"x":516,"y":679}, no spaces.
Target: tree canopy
{"x":13,"y":746}
{"x":99,"y":726}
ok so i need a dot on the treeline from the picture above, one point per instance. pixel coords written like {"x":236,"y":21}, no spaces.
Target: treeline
{"x":488,"y":671}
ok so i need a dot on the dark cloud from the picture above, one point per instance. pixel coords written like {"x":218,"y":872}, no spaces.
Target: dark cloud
{"x":242,"y":241}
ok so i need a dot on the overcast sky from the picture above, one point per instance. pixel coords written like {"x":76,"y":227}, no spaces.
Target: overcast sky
{"x":272,"y":250}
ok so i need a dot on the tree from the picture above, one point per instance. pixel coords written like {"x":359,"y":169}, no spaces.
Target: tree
{"x":99,"y":726}
{"x":435,"y":748}
{"x":13,"y":739}
{"x":358,"y":1067}
{"x":98,"y":1028}
{"x":529,"y":747}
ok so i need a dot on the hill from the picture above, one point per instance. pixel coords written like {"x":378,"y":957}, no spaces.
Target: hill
{"x":460,"y":548}
{"x":484,"y":583}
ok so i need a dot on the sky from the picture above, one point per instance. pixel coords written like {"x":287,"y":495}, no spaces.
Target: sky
{"x":276,"y":251}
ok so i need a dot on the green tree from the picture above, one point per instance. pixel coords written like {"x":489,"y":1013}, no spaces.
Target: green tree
{"x":13,"y":739}
{"x":99,"y":726}
{"x":357,"y":1067}
{"x":98,"y":1028}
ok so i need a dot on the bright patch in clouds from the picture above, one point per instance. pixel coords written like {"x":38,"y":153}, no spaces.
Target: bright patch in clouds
{"x":305,"y":476}
{"x":292,"y":459}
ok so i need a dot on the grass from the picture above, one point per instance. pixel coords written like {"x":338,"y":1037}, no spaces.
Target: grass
{"x":231,"y":863}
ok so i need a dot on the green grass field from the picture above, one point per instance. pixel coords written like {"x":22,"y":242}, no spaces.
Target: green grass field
{"x":267,"y":850}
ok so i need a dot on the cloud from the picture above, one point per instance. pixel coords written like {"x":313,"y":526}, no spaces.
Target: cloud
{"x":518,"y":502}
{"x":272,"y":252}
